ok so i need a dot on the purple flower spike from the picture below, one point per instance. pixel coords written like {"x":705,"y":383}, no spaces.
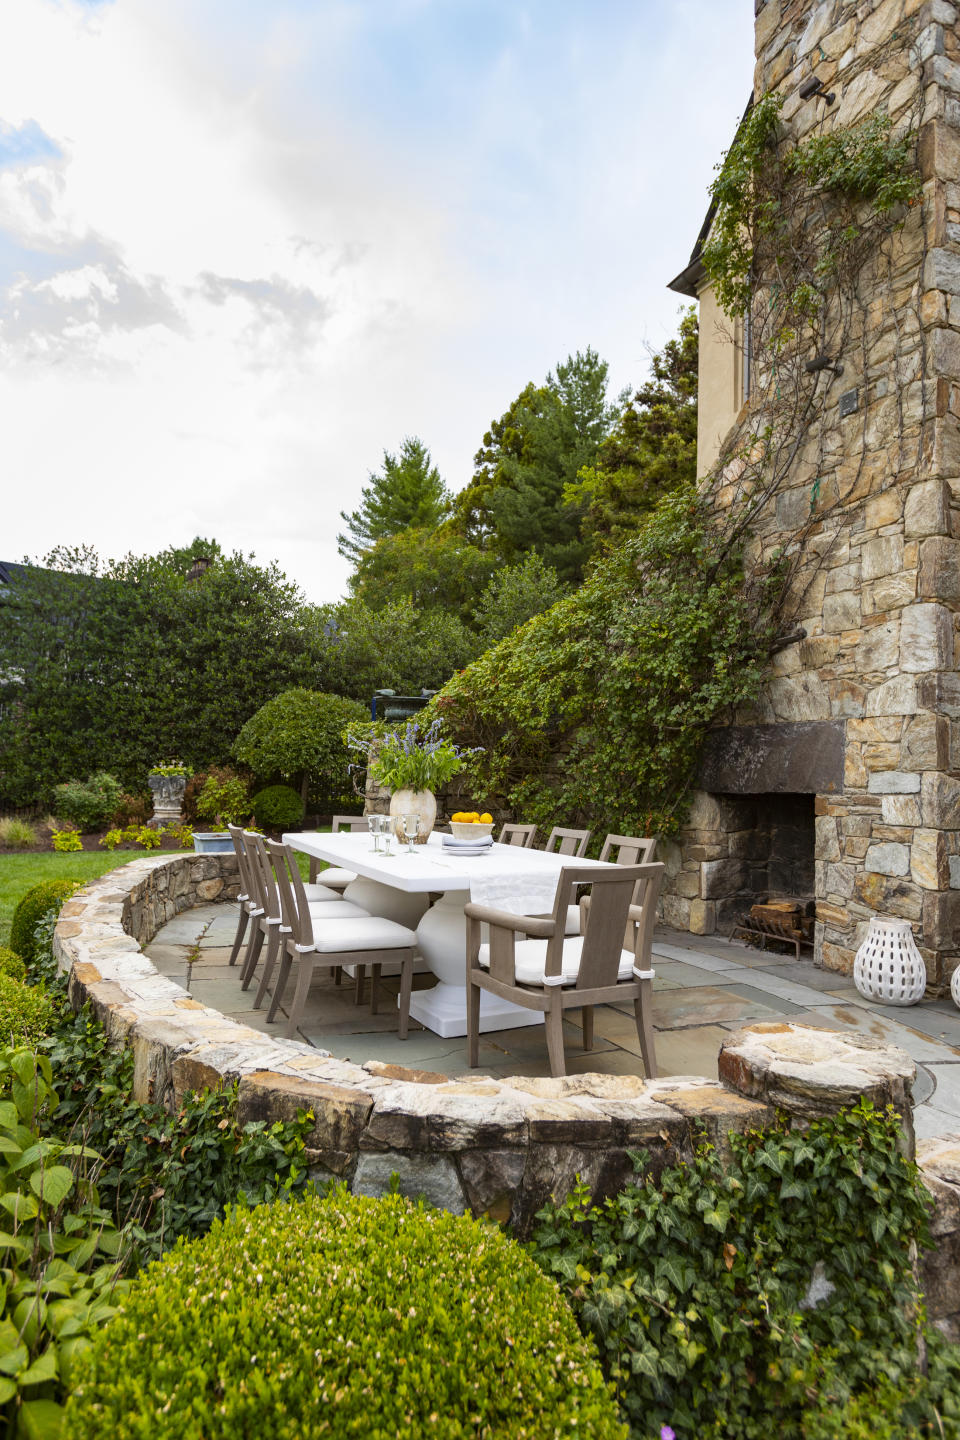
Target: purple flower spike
{"x":667,"y":1432}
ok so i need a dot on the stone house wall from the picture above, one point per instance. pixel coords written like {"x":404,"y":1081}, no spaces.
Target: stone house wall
{"x":873,"y":680}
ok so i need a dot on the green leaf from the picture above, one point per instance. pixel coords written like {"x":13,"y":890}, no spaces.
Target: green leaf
{"x":44,"y":1368}
{"x":41,"y":1420}
{"x":20,"y":1205}
{"x":53,"y":1184}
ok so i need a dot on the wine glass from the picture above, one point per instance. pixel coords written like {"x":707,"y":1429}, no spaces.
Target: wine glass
{"x":411,"y":828}
{"x":386,"y":830}
{"x":373,"y":825}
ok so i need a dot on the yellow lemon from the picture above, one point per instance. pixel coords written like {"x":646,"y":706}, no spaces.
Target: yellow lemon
{"x":486,"y":818}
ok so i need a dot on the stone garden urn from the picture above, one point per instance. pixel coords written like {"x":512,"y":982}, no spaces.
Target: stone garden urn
{"x":167,"y":798}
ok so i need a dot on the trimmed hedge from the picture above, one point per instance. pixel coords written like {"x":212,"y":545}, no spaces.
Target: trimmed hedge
{"x":12,"y":964}
{"x":277,"y":807}
{"x":34,"y":904}
{"x":343,"y":1317}
{"x":26,"y":1012}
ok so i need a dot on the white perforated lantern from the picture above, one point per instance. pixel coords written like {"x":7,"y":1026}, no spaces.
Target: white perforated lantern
{"x":955,"y":986}
{"x":889,"y":967}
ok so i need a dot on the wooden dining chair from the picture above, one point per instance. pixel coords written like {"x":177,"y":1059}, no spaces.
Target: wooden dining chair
{"x":248,"y":904}
{"x":327,"y":944}
{"x":335,"y":876}
{"x":518,"y":835}
{"x":269,"y":921}
{"x":617,"y":850}
{"x":529,"y":961}
{"x":568,"y":842}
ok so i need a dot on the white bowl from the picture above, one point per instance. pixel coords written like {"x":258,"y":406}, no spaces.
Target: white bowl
{"x":471,"y":829}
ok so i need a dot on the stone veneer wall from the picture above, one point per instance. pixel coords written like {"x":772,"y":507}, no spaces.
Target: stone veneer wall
{"x":878,"y":587}
{"x":498,"y":1147}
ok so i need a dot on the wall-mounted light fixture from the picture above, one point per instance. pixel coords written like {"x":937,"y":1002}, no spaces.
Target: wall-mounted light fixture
{"x":823,"y":362}
{"x":812,"y":87}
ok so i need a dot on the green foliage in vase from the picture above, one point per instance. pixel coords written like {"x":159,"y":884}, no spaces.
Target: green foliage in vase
{"x":412,"y":758}
{"x":298,"y":736}
{"x":436,"y":1324}
{"x":734,"y":1295}
{"x":171,"y":767}
{"x":595,"y":711}
{"x":408,"y":493}
{"x":651,"y":450}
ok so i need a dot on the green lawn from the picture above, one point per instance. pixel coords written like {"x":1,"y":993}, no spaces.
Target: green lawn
{"x":19,"y":872}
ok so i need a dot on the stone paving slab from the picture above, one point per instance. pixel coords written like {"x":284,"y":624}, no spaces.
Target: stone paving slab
{"x":707,"y":1005}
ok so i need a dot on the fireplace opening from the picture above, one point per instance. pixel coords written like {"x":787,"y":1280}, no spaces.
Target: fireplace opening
{"x":774,"y":871}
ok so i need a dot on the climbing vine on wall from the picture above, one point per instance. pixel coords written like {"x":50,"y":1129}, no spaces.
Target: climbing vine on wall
{"x":596,"y":710}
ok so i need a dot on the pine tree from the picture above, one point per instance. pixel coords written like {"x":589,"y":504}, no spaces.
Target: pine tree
{"x":407,"y":492}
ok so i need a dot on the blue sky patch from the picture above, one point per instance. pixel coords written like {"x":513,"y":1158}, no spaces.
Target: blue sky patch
{"x":24,"y":144}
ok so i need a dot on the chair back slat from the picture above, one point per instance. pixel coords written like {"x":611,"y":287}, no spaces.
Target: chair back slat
{"x":240,"y":850}
{"x":523,"y":835}
{"x":348,"y":822}
{"x":262,"y":877}
{"x":293,"y":900}
{"x":631,"y":849}
{"x":608,"y":917}
{"x":568,"y":842}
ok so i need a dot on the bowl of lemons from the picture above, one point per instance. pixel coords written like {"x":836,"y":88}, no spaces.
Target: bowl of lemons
{"x":470,"y":825}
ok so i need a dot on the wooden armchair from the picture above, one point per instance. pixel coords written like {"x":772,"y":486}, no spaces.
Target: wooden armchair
{"x":530,"y":961}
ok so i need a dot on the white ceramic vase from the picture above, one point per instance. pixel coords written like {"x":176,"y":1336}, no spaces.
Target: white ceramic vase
{"x":424,"y":802}
{"x":888,"y":967}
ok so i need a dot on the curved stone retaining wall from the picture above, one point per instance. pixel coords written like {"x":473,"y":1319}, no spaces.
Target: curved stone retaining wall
{"x":500,"y":1147}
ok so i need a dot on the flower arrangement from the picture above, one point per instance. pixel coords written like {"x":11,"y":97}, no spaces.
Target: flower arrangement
{"x":170,"y":767}
{"x":412,"y":758}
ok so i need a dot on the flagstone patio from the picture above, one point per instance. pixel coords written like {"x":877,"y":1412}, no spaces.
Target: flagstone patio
{"x":705,"y":988}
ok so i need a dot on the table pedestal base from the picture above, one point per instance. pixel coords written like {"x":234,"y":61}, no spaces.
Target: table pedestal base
{"x":444,"y":1011}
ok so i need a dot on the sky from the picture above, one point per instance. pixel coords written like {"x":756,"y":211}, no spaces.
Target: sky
{"x":246,"y":246}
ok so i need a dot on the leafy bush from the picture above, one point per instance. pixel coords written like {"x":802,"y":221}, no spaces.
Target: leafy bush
{"x":88,"y":804}
{"x":33,"y":905}
{"x":298,"y":736}
{"x":58,"y":1254}
{"x":182,"y":834}
{"x":26,"y":1012}
{"x":12,"y":964}
{"x":164,"y":1175}
{"x":67,"y":840}
{"x":224,"y":799}
{"x":131,"y":810}
{"x":278,"y":807}
{"x":343,"y":1316}
{"x":148,"y":838}
{"x":18,"y":834}
{"x":697,"y":1286}
{"x":111,"y":839}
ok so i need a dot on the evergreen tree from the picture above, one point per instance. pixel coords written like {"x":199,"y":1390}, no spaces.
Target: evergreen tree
{"x":407,"y":492}
{"x":652,"y":450}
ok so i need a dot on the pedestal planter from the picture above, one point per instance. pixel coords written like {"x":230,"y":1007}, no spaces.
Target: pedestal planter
{"x":888,"y":967}
{"x":424,"y":802}
{"x":212,"y":842}
{"x":167,"y":798}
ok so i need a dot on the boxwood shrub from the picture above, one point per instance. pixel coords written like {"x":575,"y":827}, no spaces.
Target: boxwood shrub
{"x":26,"y":1012}
{"x":343,"y":1316}
{"x":277,"y":807}
{"x":34,"y":904}
{"x":12,"y":964}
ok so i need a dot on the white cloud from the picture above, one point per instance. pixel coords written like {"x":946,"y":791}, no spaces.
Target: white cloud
{"x":245,"y":248}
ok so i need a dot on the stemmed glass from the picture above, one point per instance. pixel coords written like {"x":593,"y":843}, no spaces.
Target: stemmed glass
{"x":386,"y":830}
{"x":375,"y":825}
{"x":411,"y":829}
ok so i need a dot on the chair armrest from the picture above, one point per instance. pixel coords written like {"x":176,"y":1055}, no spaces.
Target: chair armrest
{"x":541,"y":929}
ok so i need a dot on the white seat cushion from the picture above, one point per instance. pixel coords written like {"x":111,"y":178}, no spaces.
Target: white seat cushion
{"x":531,"y":957}
{"x":337,"y":877}
{"x":332,"y":937}
{"x":336,"y":910}
{"x":320,"y":892}
{"x":572,"y":923}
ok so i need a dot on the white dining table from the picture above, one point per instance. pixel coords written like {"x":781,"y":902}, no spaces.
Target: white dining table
{"x":442,"y":932}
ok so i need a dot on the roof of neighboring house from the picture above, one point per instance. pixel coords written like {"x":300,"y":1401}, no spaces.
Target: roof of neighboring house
{"x":688,"y":281}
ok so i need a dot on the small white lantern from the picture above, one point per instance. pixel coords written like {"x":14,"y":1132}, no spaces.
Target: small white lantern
{"x":889,"y":967}
{"x":955,"y":986}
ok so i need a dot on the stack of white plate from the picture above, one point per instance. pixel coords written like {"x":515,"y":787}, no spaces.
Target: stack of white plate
{"x":479,"y":846}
